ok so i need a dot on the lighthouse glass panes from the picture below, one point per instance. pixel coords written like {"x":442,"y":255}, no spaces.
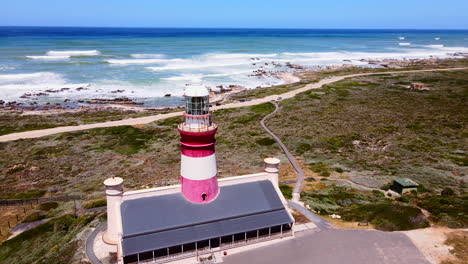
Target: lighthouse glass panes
{"x":197,"y":112}
{"x":196,"y":105}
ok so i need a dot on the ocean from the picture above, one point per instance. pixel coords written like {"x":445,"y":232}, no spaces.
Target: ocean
{"x":147,"y":63}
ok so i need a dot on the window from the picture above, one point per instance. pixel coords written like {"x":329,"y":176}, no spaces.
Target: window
{"x":196,"y":105}
{"x":203,"y":196}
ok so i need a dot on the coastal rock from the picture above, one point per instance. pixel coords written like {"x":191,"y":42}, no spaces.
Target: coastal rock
{"x":120,"y":100}
{"x":118,"y":91}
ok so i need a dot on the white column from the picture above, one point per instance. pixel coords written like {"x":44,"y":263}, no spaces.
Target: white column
{"x":272,"y":168}
{"x":114,"y":191}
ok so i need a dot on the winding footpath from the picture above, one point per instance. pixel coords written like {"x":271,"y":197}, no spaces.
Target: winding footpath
{"x":149,"y":119}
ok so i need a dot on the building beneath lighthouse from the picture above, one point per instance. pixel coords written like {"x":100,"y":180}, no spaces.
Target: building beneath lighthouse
{"x":202,"y":216}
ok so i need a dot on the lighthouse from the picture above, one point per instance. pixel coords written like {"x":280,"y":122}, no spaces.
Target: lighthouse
{"x":198,"y":173}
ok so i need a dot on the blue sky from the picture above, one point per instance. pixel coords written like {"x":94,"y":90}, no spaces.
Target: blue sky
{"x":414,"y":14}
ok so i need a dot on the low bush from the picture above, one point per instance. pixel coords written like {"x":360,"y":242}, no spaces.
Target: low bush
{"x":387,"y":216}
{"x":94,"y":204}
{"x":286,"y":190}
{"x":266,"y":141}
{"x":451,"y":211}
{"x":48,"y":206}
{"x":34,"y":216}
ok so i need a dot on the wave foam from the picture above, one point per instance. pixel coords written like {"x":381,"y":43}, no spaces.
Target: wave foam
{"x":434,"y":46}
{"x":143,"y":61}
{"x":47,"y":57}
{"x":147,"y":56}
{"x":74,"y":53}
{"x":404,"y":43}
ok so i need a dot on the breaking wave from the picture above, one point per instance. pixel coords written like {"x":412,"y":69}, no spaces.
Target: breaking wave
{"x":147,"y":56}
{"x":74,"y":53}
{"x":47,"y":57}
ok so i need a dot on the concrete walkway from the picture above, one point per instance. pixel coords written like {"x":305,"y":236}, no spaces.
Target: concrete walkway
{"x":297,"y":168}
{"x":90,"y":243}
{"x":335,"y":246}
{"x":149,"y":119}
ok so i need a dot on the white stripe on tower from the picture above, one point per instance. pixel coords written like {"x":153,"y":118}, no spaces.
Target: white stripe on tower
{"x":198,"y":169}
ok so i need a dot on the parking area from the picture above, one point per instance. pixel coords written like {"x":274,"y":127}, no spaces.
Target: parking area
{"x":334,"y":246}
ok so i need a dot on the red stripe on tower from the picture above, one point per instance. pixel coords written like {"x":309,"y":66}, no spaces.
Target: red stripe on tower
{"x":198,"y":160}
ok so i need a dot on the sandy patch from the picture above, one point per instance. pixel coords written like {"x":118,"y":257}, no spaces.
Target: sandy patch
{"x":430,"y":241}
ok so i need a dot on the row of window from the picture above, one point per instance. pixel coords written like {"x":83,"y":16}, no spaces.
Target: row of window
{"x":206,"y":244}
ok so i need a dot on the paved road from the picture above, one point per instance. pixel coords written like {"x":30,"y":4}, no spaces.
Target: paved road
{"x":149,"y":119}
{"x":335,"y":246}
{"x":90,"y":243}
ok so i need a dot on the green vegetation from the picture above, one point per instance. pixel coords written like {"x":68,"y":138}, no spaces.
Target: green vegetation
{"x":34,"y":216}
{"x":361,"y":206}
{"x":286,"y":190}
{"x":35,"y":193}
{"x":12,"y":122}
{"x":266,"y":141}
{"x":387,"y":216}
{"x":94,"y":204}
{"x":52,"y":242}
{"x":379,"y":125}
{"x":48,"y":206}
{"x":448,"y":210}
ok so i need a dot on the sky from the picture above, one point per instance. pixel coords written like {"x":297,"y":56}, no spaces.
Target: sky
{"x":357,"y":14}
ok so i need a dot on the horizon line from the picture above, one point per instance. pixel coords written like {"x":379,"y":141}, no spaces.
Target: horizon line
{"x":285,"y":28}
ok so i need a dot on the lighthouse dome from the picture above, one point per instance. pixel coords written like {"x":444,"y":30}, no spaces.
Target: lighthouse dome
{"x":196,"y":91}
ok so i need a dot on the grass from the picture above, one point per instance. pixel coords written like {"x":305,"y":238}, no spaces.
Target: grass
{"x":51,"y":242}
{"x":94,"y":204}
{"x":12,"y":122}
{"x":364,"y":206}
{"x":286,"y":190}
{"x":378,"y":125}
{"x":448,"y":210}
{"x":387,"y":216}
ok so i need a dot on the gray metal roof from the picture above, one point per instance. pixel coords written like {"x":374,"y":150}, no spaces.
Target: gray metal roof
{"x":405,"y":182}
{"x":168,"y":220}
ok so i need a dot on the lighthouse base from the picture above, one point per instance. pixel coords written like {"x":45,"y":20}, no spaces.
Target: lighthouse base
{"x":200,"y":191}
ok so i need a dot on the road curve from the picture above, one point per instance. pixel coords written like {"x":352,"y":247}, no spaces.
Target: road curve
{"x":90,"y":244}
{"x":149,"y":119}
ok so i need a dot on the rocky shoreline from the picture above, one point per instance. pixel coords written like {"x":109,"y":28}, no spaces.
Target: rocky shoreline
{"x":30,"y":101}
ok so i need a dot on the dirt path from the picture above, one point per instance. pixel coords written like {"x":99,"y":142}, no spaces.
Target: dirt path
{"x":149,"y":119}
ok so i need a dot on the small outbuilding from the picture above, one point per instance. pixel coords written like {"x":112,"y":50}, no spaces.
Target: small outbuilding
{"x":404,"y":185}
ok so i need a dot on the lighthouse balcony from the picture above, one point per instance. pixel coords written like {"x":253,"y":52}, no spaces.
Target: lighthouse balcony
{"x":191,"y":127}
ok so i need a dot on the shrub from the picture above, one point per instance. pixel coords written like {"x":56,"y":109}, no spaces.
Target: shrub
{"x":303,"y":147}
{"x":34,"y":216}
{"x":266,"y":141}
{"x":448,"y":210}
{"x":94,"y":204}
{"x":325,"y":173}
{"x":48,"y":206}
{"x":339,"y":170}
{"x":264,"y":108}
{"x":286,"y":190}
{"x":447,"y":192}
{"x":30,"y":194}
{"x":387,"y":216}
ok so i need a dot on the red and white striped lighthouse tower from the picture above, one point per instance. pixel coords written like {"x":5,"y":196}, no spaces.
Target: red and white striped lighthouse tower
{"x":198,"y":161}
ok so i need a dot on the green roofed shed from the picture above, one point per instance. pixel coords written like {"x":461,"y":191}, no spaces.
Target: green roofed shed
{"x":403,"y":185}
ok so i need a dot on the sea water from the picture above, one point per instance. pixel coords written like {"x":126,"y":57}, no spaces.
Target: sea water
{"x":147,"y":63}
